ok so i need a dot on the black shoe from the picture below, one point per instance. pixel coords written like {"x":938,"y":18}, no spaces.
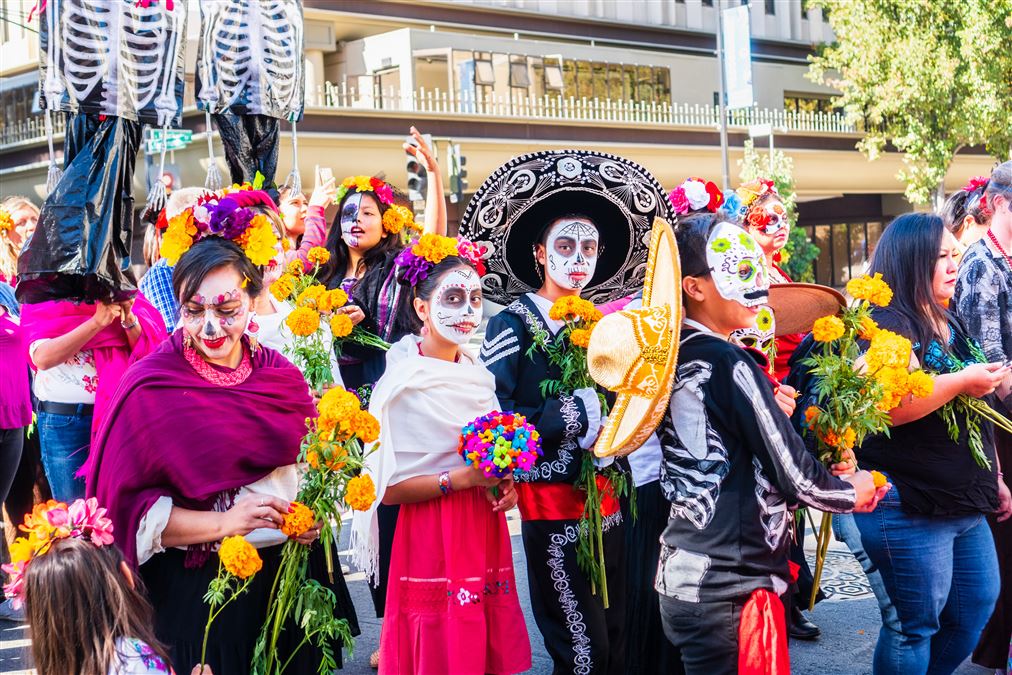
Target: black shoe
{"x":801,"y":628}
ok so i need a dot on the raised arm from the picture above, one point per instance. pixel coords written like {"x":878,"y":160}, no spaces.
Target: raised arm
{"x":435,"y":204}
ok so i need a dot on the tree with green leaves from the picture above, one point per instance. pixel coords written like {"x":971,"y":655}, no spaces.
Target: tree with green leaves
{"x":799,"y":253}
{"x":928,"y":77}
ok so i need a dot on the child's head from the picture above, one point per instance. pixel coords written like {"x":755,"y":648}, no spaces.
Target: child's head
{"x":79,"y":599}
{"x":567,"y":251}
{"x":448,"y":300}
{"x":724,"y":275}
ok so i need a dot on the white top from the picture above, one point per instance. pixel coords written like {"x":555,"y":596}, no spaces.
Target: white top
{"x":276,"y":335}
{"x":282,"y":482}
{"x":137,"y":658}
{"x":73,"y":381}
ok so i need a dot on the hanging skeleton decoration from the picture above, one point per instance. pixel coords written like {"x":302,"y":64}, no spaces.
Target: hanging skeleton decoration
{"x":111,"y":66}
{"x":251,"y":75}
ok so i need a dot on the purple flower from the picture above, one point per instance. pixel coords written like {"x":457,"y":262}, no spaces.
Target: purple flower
{"x":229,"y":219}
{"x":415,"y":268}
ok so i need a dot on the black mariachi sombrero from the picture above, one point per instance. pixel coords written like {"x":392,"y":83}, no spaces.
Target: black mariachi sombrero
{"x":513,"y":206}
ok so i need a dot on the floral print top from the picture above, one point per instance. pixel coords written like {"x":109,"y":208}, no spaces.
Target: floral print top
{"x":137,"y":658}
{"x":73,"y":381}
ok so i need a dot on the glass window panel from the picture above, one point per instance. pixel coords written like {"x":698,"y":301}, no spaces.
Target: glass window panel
{"x":874,"y":234}
{"x":858,"y":249}
{"x":645,"y":83}
{"x":569,"y":77}
{"x":584,"y":80}
{"x":519,"y":75}
{"x":823,"y":265}
{"x":629,"y":90}
{"x":484,"y":73}
{"x":771,"y":7}
{"x":662,"y":93}
{"x":553,"y":77}
{"x":616,"y":90}
{"x":600,"y":80}
{"x":841,"y":257}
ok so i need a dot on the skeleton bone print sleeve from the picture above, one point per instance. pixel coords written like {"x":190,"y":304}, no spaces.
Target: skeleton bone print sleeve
{"x":559,"y":420}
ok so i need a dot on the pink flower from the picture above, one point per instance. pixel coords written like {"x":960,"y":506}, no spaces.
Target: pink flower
{"x":15,"y":588}
{"x":58,"y":517}
{"x":89,"y":519}
{"x":679,"y":202}
{"x":385,"y":194}
{"x":525,"y":461}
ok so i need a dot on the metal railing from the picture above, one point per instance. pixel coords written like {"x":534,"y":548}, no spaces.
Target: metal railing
{"x":437,"y":103}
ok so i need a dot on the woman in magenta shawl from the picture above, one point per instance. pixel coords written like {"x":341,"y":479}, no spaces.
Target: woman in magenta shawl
{"x":200,"y":443}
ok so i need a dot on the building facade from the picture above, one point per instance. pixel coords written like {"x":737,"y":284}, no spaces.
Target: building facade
{"x":637,"y":78}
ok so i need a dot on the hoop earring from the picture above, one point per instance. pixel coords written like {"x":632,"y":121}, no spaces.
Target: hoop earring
{"x":187,"y":341}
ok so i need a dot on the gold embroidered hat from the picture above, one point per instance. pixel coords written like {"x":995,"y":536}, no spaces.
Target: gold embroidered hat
{"x":633,"y":352}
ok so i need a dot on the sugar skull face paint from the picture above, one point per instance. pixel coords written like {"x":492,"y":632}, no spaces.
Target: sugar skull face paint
{"x":456,"y":305}
{"x":361,"y":221}
{"x":571,"y":248}
{"x":216,"y":316}
{"x":777,"y":217}
{"x":737,"y":265}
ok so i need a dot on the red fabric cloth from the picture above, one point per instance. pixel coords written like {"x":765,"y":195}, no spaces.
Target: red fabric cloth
{"x":762,"y":636}
{"x":452,"y":603}
{"x":171,"y":433}
{"x":113,"y":354}
{"x":561,"y":501}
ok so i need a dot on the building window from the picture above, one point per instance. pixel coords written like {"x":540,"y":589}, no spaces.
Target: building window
{"x":771,"y":7}
{"x":808,"y":103}
{"x":845,"y":249}
{"x":707,"y":3}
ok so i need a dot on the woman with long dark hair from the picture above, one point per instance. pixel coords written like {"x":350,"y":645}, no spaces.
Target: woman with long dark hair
{"x":928,"y":539}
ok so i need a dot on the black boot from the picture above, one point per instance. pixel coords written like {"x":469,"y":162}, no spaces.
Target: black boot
{"x":801,"y":628}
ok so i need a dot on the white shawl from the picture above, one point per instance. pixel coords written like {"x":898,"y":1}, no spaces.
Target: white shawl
{"x":421,"y":404}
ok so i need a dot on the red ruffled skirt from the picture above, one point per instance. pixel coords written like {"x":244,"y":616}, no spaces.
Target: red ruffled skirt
{"x":452,"y":604}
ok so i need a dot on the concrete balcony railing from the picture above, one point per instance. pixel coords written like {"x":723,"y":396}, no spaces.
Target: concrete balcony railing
{"x":549,"y":109}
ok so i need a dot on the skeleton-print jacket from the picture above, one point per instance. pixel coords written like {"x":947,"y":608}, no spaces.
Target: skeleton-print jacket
{"x":733,"y":469}
{"x":560,"y":420}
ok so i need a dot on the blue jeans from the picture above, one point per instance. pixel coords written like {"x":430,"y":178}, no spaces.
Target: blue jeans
{"x":65,"y":441}
{"x":936,"y":581}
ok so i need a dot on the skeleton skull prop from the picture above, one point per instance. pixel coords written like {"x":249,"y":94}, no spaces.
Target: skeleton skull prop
{"x":456,"y":305}
{"x":762,"y":335}
{"x":572,"y":247}
{"x":737,"y":265}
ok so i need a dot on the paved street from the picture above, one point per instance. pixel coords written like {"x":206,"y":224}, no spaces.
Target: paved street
{"x":848,"y":618}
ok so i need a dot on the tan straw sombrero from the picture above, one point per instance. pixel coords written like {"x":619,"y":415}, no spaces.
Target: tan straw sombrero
{"x":634,"y":352}
{"x":797,"y":306}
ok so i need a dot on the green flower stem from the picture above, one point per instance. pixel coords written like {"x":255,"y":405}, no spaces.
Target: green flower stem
{"x":821,"y":549}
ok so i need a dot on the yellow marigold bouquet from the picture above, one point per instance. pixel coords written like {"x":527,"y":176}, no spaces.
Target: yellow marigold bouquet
{"x":855,"y":392}
{"x":314,"y":321}
{"x":568,"y":351}
{"x":332,"y":455}
{"x":238,"y":562}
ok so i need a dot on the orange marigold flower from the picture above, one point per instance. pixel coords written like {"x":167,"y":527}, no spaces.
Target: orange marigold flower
{"x":879,"y":479}
{"x":331,"y":300}
{"x":283,"y":287}
{"x":868,"y":328}
{"x":828,"y":329}
{"x":303,"y":321}
{"x":811,"y":414}
{"x":361,"y":493}
{"x":239,"y":557}
{"x":310,"y":297}
{"x":580,"y":337}
{"x":296,"y":268}
{"x":365,"y":426}
{"x":341,"y":325}
{"x":298,"y":521}
{"x":318,"y":255}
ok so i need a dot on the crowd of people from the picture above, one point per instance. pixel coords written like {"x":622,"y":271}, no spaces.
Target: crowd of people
{"x":173,"y":418}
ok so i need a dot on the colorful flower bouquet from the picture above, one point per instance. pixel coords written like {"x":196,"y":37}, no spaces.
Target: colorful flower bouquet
{"x":500,"y":444}
{"x":313,"y":307}
{"x":333,"y":454}
{"x":856,"y":392}
{"x":568,"y":351}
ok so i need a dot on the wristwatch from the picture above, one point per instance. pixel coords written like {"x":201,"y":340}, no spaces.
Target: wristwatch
{"x":444,"y":483}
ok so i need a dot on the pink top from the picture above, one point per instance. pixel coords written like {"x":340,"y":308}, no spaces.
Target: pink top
{"x":315,"y":234}
{"x":15,"y":400}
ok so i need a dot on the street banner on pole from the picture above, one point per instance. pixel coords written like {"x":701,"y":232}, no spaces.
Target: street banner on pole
{"x":737,"y":57}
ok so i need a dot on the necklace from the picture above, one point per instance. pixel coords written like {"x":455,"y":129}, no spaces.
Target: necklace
{"x":994,"y":240}
{"x":209,"y":374}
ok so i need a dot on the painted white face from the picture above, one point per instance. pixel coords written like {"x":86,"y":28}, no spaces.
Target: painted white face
{"x":737,"y":265}
{"x":456,"y":305}
{"x":351,"y":232}
{"x":217,"y":315}
{"x":572,"y":247}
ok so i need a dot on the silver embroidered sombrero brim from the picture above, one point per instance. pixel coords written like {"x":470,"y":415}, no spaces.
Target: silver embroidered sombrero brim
{"x":511,"y":209}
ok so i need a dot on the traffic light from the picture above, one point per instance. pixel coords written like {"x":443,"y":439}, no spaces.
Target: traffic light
{"x":418,"y":179}
{"x":458,"y":173}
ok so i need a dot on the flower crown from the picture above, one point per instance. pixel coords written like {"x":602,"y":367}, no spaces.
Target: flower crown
{"x":976,"y":190}
{"x":751,"y":192}
{"x":6,"y":221}
{"x":228,"y":214}
{"x":427,"y":251}
{"x":47,"y":524}
{"x":695,"y":194}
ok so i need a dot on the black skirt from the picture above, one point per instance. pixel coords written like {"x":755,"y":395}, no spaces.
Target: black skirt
{"x":993,"y":649}
{"x":647,"y":650}
{"x":177,"y":594}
